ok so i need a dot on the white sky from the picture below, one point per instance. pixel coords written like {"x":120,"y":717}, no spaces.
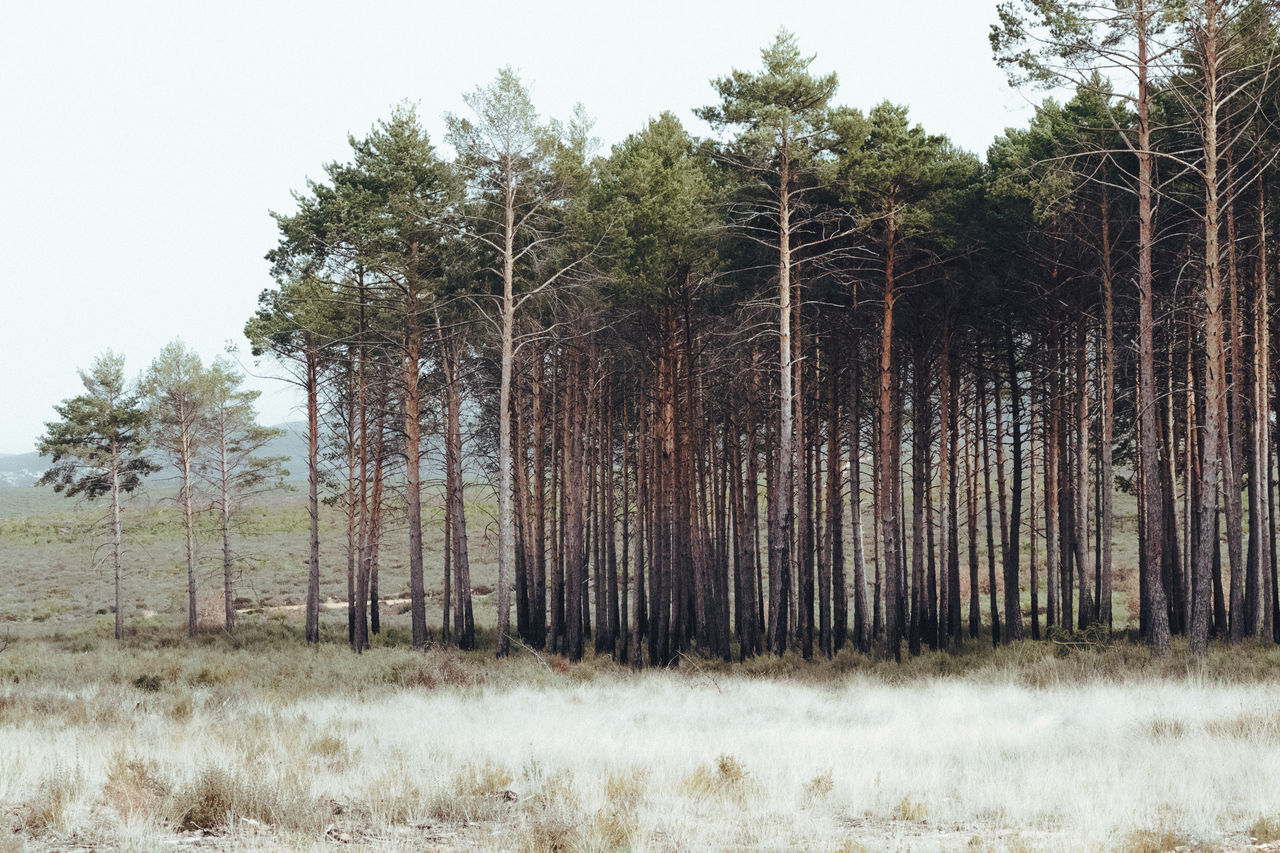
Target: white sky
{"x":142,"y":144}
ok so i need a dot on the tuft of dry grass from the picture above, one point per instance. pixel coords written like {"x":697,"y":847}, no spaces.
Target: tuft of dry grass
{"x":46,"y":811}
{"x":1265,"y":829}
{"x":910,"y":810}
{"x":819,"y":786}
{"x":726,"y":778}
{"x":216,"y":797}
{"x":135,"y":787}
{"x":1159,"y":840}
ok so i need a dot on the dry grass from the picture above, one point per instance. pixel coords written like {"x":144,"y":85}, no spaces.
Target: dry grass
{"x":294,"y":748}
{"x":46,"y":556}
{"x":259,"y":741}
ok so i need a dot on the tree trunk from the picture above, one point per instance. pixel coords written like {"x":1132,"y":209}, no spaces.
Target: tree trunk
{"x":538,"y":621}
{"x":1031,"y":514}
{"x":1148,"y":439}
{"x":1234,"y":421}
{"x":463,"y":617}
{"x":506,"y":512}
{"x":1216,"y":457}
{"x":313,"y":492}
{"x":575,"y":426}
{"x":1260,"y":516}
{"x":984,"y":438}
{"x":1081,"y":509}
{"x":188,"y":519}
{"x":920,"y":446}
{"x":117,"y":543}
{"x":1107,"y":474}
{"x":886,"y":510}
{"x":970,"y":483}
{"x":831,"y":586}
{"x":412,"y":452}
{"x":224,"y":523}
{"x":780,"y":567}
{"x":1012,"y":587}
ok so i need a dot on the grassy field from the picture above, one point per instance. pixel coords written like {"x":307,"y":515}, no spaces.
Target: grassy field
{"x":52,"y":559}
{"x":259,"y":742}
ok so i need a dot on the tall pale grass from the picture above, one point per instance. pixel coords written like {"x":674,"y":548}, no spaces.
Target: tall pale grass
{"x":132,"y":750}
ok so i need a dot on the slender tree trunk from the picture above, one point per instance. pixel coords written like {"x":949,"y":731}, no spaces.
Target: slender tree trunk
{"x":506,"y":462}
{"x":952,"y":494}
{"x":920,"y":442}
{"x":1217,"y":456}
{"x":753,"y":598}
{"x":117,"y":539}
{"x":1052,"y":531}
{"x":983,"y":435}
{"x":1031,"y":515}
{"x":781,"y":568}
{"x":353,"y":499}
{"x":831,"y":585}
{"x":803,"y":490}
{"x":625,"y":644}
{"x":887,"y":510}
{"x":945,"y":463}
{"x":375,"y":525}
{"x":640,"y":624}
{"x":1081,"y":510}
{"x":1012,"y":586}
{"x":861,"y":631}
{"x":313,"y":492}
{"x":970,"y":482}
{"x":1150,"y":499}
{"x":575,"y":421}
{"x":1260,"y":515}
{"x":1232,"y":482}
{"x":538,"y":623}
{"x":188,"y":518}
{"x":224,"y":524}
{"x":360,"y":636}
{"x":446,"y":622}
{"x":412,"y":452}
{"x":613,"y":626}
{"x":1107,"y":474}
{"x":464,"y":619}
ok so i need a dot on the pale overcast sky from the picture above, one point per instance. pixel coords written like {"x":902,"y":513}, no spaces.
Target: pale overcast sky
{"x":144,"y":143}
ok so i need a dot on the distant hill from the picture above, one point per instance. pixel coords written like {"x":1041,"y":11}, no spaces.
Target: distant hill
{"x":23,"y":469}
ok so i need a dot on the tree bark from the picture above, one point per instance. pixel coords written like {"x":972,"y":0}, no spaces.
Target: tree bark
{"x":887,"y":510}
{"x":313,"y":491}
{"x":1148,"y":439}
{"x":1012,"y":586}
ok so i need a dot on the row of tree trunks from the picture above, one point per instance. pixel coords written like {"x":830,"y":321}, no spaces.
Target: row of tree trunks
{"x":679,"y":481}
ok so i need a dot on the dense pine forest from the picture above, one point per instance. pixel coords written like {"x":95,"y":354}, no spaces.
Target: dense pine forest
{"x":822,"y":378}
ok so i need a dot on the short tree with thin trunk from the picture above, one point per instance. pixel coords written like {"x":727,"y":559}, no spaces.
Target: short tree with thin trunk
{"x":96,"y":448}
{"x":175,"y":389}
{"x":231,"y":464}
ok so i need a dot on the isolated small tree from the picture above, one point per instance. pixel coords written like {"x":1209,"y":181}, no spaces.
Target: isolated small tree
{"x":175,"y":391}
{"x":231,"y":465}
{"x":96,"y":448}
